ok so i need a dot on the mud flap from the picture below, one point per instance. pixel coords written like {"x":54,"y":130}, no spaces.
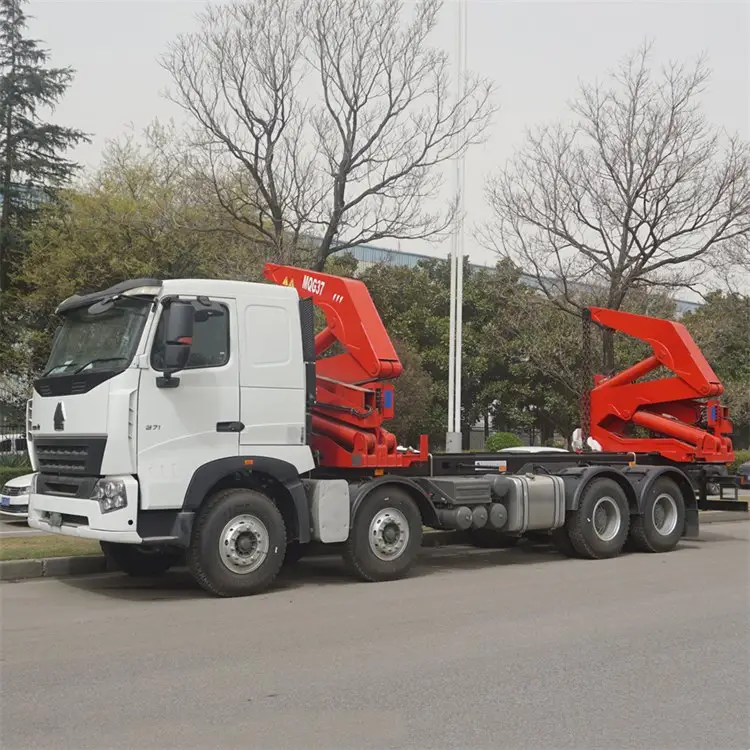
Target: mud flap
{"x":692,"y":524}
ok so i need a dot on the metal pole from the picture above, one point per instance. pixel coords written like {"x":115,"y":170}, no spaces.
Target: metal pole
{"x":453,"y":438}
{"x":452,"y":347}
{"x":460,"y":244}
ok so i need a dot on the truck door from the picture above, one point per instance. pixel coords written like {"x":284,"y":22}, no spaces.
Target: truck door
{"x":182,"y":428}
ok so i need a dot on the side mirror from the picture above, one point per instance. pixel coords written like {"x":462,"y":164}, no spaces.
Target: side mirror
{"x":176,"y":357}
{"x":179,"y":320}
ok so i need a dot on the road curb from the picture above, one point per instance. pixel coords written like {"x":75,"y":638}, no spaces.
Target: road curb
{"x":61,"y":567}
{"x":52,"y":567}
{"x":723,"y":516}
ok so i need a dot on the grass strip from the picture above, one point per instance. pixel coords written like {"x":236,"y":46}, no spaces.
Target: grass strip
{"x":48,"y":545}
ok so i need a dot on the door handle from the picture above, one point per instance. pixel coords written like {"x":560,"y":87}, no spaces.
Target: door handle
{"x":229,"y":427}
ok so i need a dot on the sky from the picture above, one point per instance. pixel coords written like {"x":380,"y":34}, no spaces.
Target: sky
{"x":537,"y":52}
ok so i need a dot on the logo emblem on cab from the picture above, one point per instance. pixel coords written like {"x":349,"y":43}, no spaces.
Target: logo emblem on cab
{"x":59,"y":417}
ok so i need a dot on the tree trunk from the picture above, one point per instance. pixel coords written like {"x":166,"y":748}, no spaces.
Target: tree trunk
{"x":5,"y":241}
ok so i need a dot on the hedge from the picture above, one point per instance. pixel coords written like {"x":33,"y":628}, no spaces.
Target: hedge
{"x":739,"y":458}
{"x":500,"y":440}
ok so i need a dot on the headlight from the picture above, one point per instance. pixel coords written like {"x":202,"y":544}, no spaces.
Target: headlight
{"x":110,"y":494}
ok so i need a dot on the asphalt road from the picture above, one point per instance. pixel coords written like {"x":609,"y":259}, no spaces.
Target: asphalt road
{"x":503,"y":650}
{"x":16,"y":527}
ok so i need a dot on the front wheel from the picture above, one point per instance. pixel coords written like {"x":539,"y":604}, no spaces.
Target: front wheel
{"x":386,"y":535}
{"x":139,"y":561}
{"x":238,"y":543}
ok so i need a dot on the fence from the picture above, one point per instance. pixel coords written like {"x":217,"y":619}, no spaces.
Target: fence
{"x":12,"y":422}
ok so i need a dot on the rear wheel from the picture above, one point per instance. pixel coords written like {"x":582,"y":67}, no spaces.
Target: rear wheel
{"x":561,"y":542}
{"x":660,"y":527}
{"x":238,"y":543}
{"x":140,"y":561}
{"x":599,"y":527}
{"x":386,"y":535}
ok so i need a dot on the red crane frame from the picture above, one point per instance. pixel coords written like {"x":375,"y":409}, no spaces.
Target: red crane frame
{"x":352,"y":398}
{"x":670,"y":408}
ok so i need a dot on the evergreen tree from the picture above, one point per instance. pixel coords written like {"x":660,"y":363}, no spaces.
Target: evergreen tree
{"x":31,"y":160}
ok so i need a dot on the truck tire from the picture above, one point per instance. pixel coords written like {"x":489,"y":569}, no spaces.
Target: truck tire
{"x":561,"y":542}
{"x":139,"y":561}
{"x":294,"y":553}
{"x":491,"y":539}
{"x":598,"y":529}
{"x":238,"y":543}
{"x":385,"y":537}
{"x":662,"y":522}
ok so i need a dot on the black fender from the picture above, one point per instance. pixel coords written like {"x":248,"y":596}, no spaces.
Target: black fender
{"x":361,"y":491}
{"x":578,"y":478}
{"x":209,"y":475}
{"x":642,"y":479}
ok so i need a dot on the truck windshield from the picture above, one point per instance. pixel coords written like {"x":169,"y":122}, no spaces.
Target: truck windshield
{"x":95,"y":342}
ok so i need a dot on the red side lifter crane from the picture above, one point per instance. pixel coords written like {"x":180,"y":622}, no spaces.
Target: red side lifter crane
{"x":352,"y":398}
{"x":670,"y":408}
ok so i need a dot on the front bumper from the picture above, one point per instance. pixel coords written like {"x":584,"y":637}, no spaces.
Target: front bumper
{"x":16,"y":510}
{"x":83,"y":518}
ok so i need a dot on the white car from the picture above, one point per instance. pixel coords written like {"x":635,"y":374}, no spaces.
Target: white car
{"x":14,"y":497}
{"x":533,"y":449}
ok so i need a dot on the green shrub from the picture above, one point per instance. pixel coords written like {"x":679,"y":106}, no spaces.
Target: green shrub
{"x":11,"y":472}
{"x":499,"y":440}
{"x":14,"y":460}
{"x":739,"y":458}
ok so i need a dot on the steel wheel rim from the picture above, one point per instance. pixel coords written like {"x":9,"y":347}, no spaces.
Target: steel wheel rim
{"x":244,"y":544}
{"x":389,"y":534}
{"x":606,"y":518}
{"x":664,"y":514}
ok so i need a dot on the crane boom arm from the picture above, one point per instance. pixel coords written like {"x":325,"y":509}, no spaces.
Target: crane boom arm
{"x":672,"y":408}
{"x":352,"y":399}
{"x":351,"y":319}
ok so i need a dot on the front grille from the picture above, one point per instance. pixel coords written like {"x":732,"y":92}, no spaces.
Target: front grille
{"x":69,"y":460}
{"x":66,"y":486}
{"x":73,"y":387}
{"x":75,"y":456}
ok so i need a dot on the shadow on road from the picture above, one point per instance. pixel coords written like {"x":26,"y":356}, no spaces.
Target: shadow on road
{"x":317,"y":570}
{"x":328,"y":570}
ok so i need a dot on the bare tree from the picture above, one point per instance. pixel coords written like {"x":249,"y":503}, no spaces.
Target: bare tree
{"x":325,"y":122}
{"x":635,"y":192}
{"x":732,"y":270}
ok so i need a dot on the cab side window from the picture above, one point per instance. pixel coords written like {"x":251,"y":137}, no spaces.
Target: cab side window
{"x":210,"y":346}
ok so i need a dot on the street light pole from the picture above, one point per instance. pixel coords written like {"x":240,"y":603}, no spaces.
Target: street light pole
{"x":453,"y":438}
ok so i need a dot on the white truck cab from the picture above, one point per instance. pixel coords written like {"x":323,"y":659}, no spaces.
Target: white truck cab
{"x":117,"y":437}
